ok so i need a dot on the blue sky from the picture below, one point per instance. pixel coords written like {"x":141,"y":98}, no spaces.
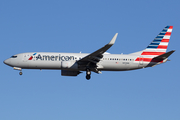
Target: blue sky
{"x":74,"y":26}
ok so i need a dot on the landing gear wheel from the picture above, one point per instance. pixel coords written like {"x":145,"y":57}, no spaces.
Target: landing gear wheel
{"x":20,"y":73}
{"x":88,"y":77}
{"x":88,"y":74}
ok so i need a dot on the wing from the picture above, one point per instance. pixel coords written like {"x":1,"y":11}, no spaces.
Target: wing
{"x":93,"y":58}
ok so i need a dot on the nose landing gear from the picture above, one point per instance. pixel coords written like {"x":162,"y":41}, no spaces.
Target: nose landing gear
{"x":20,"y":73}
{"x":16,"y":68}
{"x":88,"y":74}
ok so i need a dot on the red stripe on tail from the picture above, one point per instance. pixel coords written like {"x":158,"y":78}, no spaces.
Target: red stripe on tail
{"x":170,"y":27}
{"x":162,"y":47}
{"x":165,"y":40}
{"x":168,"y":33}
{"x":152,"y":53}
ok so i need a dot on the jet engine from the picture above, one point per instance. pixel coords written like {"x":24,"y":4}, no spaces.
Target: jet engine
{"x":71,"y":65}
{"x":69,"y":73}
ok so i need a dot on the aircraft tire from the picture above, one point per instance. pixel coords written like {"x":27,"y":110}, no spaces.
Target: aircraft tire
{"x":20,"y":73}
{"x":88,"y":77}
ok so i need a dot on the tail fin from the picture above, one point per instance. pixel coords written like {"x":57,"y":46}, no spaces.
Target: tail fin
{"x":159,"y":45}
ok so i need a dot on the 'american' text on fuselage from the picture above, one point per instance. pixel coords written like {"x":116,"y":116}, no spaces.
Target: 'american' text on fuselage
{"x":54,"y":58}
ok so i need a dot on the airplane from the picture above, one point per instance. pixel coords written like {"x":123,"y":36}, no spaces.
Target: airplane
{"x":72,"y":64}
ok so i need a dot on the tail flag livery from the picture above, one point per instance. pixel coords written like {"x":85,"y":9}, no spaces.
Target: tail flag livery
{"x":157,"y":47}
{"x":160,"y":43}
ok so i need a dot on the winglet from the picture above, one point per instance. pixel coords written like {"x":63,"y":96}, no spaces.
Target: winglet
{"x":113,"y":39}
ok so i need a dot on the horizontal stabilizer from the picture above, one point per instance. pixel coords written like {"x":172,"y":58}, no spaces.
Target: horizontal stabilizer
{"x":163,"y":56}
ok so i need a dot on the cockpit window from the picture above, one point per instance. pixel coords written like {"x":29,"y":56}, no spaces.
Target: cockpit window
{"x":13,"y":56}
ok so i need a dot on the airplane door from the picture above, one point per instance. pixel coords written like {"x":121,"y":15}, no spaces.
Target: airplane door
{"x":140,"y":61}
{"x":25,"y":57}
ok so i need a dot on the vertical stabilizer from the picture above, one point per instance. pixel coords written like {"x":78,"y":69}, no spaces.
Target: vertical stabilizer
{"x":158,"y":46}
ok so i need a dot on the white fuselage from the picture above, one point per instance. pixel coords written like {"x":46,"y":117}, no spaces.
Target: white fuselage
{"x":71,"y":64}
{"x":47,"y":60}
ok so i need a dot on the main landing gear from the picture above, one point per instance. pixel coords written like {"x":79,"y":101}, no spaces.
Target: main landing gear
{"x":88,"y":74}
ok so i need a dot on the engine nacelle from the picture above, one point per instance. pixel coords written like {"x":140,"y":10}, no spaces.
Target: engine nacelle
{"x":69,"y":65}
{"x":69,"y":73}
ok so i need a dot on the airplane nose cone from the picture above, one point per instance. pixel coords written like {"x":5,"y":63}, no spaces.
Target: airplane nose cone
{"x":7,"y":61}
{"x":4,"y":62}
